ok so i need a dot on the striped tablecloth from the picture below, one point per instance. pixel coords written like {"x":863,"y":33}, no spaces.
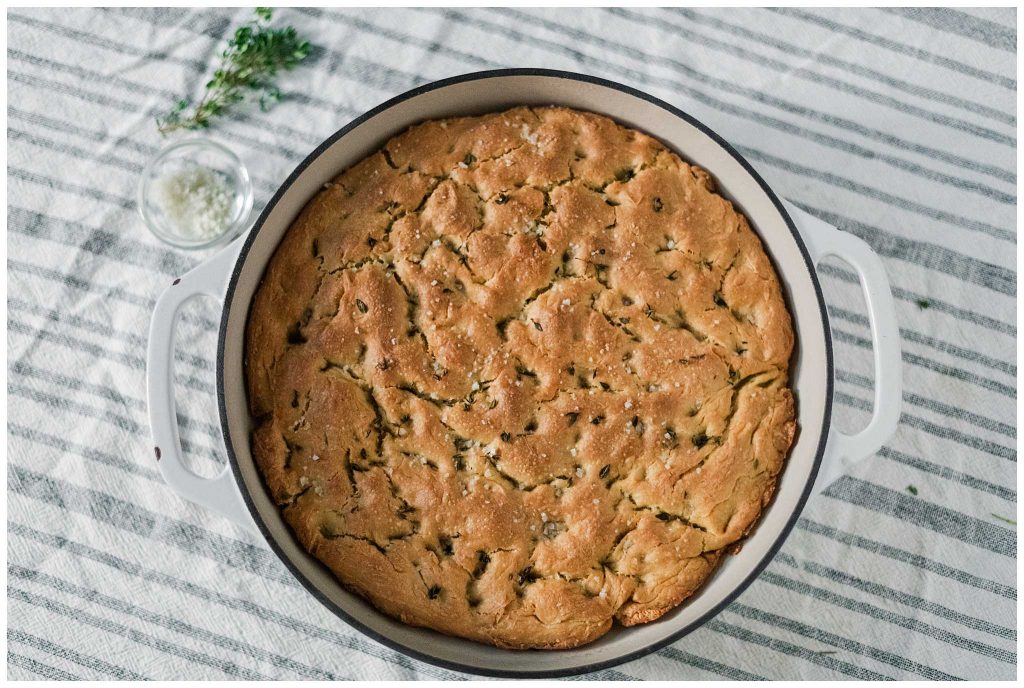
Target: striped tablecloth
{"x":896,"y":125}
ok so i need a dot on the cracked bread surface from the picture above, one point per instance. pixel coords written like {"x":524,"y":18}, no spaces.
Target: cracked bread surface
{"x":517,"y":376}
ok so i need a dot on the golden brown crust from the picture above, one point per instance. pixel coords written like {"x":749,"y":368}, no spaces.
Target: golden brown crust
{"x":519,"y":375}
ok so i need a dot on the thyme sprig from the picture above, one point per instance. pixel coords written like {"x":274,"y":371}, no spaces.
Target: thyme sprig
{"x":253,"y":57}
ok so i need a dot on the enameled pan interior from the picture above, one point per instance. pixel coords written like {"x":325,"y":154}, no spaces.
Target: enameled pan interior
{"x":476,"y":94}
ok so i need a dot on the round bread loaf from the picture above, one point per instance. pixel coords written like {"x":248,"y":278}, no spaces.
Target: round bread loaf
{"x":517,"y":376}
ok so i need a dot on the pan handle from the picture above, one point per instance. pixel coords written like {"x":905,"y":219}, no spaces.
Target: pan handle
{"x":219,"y":493}
{"x":844,"y":450}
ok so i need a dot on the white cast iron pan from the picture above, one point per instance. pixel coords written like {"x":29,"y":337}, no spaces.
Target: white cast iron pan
{"x":795,"y":241}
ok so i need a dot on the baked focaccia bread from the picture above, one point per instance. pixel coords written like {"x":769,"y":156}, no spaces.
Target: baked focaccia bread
{"x":519,"y":376}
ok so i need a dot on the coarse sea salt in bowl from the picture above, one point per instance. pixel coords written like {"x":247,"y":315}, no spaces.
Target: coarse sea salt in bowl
{"x":195,"y":194}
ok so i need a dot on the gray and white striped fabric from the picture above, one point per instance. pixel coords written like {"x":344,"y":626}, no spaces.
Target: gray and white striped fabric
{"x":896,"y":125}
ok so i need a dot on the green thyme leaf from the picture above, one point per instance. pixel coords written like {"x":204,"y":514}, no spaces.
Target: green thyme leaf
{"x":1004,"y":519}
{"x":912,"y":490}
{"x":253,"y":57}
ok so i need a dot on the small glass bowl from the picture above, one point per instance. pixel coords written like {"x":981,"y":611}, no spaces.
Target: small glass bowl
{"x":182,"y":155}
